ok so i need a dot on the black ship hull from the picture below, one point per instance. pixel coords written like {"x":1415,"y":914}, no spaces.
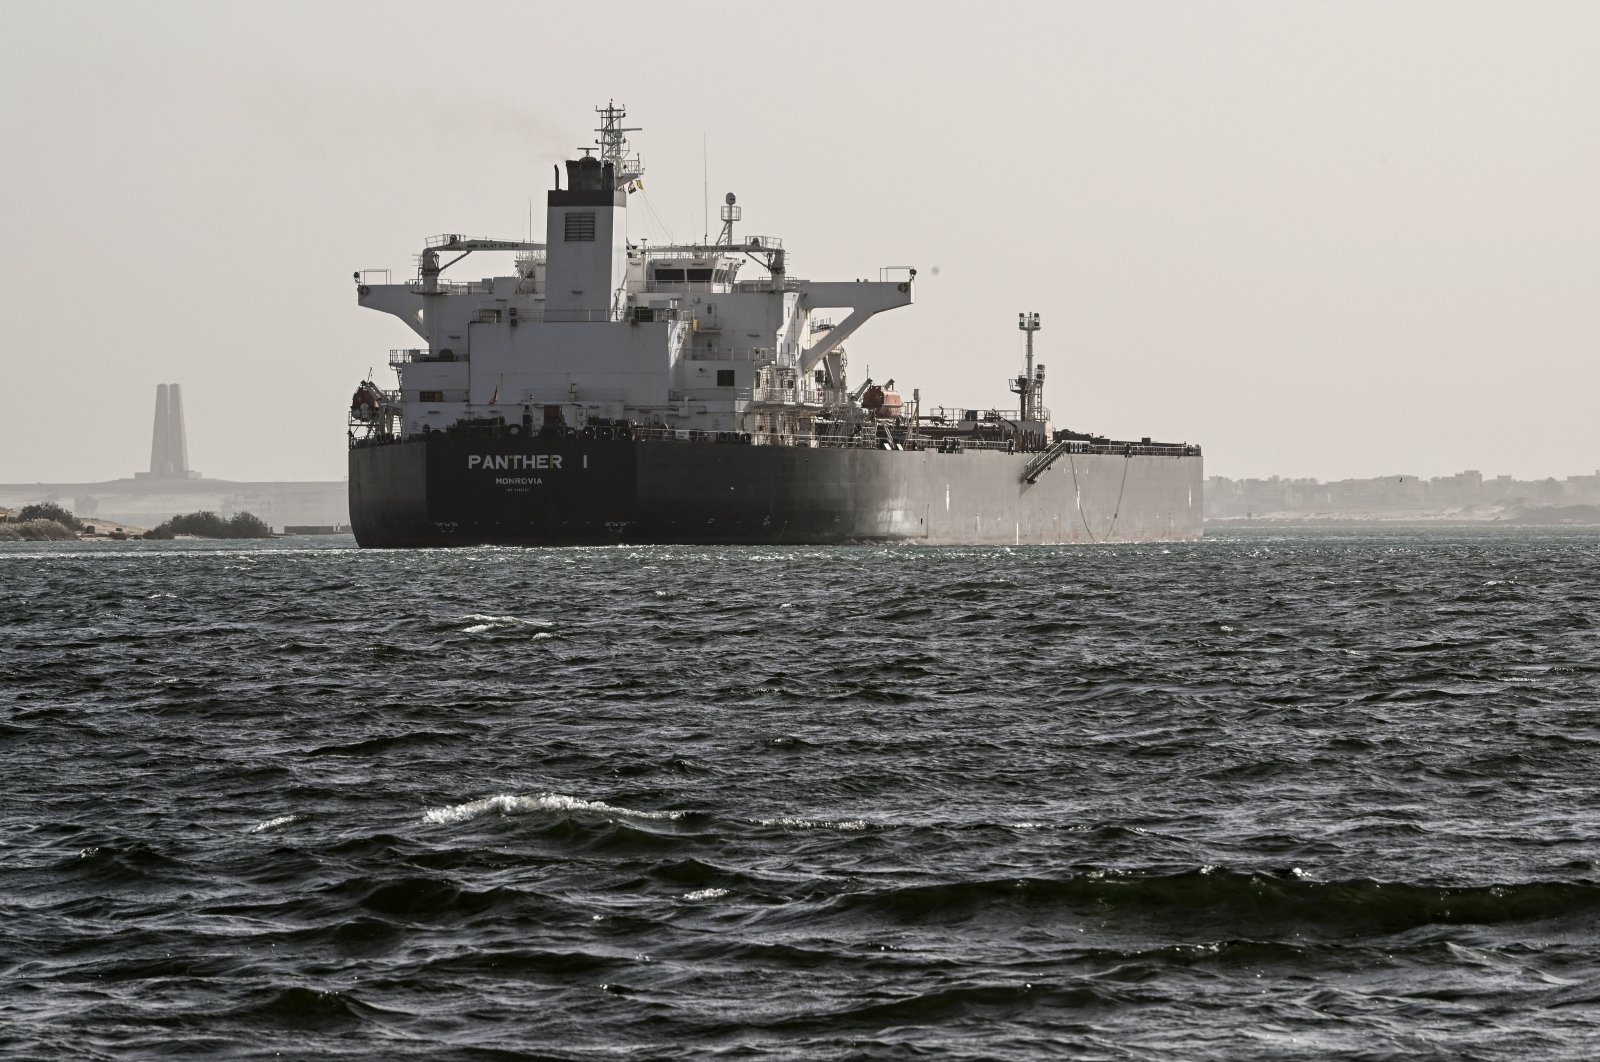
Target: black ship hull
{"x":445,"y":489}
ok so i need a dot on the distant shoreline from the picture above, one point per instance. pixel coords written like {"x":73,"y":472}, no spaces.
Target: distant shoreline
{"x":1533,"y":516}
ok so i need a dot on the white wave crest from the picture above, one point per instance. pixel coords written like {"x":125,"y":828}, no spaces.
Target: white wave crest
{"x":276,"y":824}
{"x":814,"y":824}
{"x":506,"y":804}
{"x":483,"y":624}
{"x":705,"y":894}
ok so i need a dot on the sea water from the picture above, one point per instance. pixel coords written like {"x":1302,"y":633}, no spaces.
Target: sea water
{"x":1276,"y":794}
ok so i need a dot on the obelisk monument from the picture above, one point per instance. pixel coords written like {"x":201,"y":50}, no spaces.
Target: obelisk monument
{"x":169,"y":446}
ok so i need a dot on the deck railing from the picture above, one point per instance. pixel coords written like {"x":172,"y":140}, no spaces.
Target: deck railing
{"x":408,"y":355}
{"x":863,"y":440}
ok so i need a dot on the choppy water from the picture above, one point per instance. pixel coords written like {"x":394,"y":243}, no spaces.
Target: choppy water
{"x":1323,"y":794}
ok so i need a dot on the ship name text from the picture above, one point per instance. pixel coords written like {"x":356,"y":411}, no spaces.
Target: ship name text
{"x":510,"y":462}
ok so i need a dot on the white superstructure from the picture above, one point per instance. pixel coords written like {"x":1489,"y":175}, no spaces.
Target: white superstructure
{"x":595,"y":327}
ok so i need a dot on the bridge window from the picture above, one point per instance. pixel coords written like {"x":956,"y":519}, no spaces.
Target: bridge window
{"x":699,"y":276}
{"x":669,"y":276}
{"x":724,"y":377}
{"x":580,"y":226}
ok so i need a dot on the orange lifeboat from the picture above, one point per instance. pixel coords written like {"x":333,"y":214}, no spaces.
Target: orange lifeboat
{"x":364,"y":403}
{"x":883,"y":402}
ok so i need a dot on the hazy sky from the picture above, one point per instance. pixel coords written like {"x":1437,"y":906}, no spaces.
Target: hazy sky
{"x":1321,"y":239}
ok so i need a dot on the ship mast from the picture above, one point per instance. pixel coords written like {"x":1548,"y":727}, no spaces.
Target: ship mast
{"x":613,"y":142}
{"x":730,"y":214}
{"x":1026,"y":386}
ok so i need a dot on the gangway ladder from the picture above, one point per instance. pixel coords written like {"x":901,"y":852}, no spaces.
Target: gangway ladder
{"x":1036,"y":467}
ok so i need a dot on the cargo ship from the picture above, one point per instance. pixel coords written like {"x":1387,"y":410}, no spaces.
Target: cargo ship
{"x":606,"y":389}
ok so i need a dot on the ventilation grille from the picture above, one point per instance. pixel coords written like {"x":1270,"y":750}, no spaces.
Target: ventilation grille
{"x":580,"y":226}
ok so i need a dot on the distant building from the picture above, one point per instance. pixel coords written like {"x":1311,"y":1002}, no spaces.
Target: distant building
{"x":1465,"y":495}
{"x":1583,"y":489}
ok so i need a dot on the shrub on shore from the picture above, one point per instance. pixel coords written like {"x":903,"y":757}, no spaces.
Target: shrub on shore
{"x":210,"y":525}
{"x":36,"y":531}
{"x":48,"y":511}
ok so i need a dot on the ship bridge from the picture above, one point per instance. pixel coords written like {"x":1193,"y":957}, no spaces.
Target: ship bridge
{"x":591,"y":326}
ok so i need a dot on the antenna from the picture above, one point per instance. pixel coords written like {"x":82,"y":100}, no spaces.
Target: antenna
{"x":705,"y":188}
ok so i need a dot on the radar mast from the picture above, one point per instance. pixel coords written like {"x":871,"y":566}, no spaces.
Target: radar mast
{"x":613,"y":144}
{"x":1029,"y":385}
{"x":730,"y":214}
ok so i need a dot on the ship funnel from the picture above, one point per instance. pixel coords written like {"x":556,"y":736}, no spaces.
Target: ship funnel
{"x":589,"y":174}
{"x":586,"y":259}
